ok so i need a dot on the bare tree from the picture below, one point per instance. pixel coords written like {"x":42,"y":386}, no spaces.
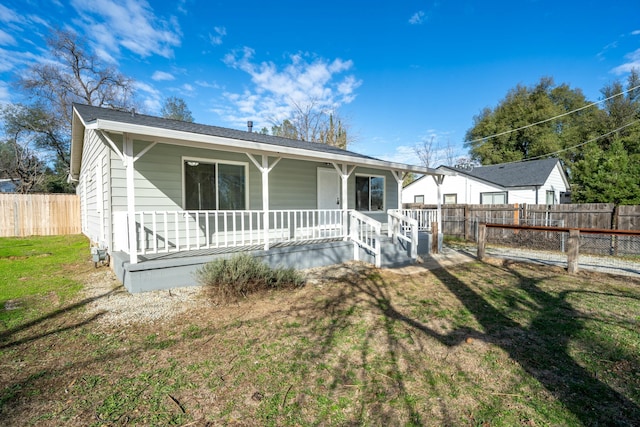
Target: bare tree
{"x":427,"y":152}
{"x":19,"y":155}
{"x":310,"y":122}
{"x":72,"y":74}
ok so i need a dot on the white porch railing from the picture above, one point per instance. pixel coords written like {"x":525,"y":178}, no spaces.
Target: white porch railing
{"x":424,"y":216}
{"x":177,"y":231}
{"x":404,"y":228}
{"x":365,"y":232}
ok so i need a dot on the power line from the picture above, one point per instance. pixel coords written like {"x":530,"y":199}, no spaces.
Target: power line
{"x":575,"y":146}
{"x":552,"y":118}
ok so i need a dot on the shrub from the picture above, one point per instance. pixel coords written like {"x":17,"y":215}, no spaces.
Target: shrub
{"x":236,"y":277}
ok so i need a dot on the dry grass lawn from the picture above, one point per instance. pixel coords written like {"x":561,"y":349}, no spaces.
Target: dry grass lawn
{"x":481,"y":344}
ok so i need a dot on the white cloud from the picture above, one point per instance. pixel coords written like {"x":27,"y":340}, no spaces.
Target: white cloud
{"x":212,"y":85}
{"x":633,"y":61}
{"x":5,"y":96}
{"x":417,"y":18}
{"x":6,"y":39}
{"x":129,"y":24}
{"x":635,"y":33}
{"x":216,"y":39}
{"x":152,"y":98}
{"x":277,"y":90}
{"x":8,"y":16}
{"x":162,"y":76}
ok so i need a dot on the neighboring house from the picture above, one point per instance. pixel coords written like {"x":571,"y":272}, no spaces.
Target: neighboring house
{"x":535,"y":182}
{"x":7,"y":186}
{"x":164,"y":196}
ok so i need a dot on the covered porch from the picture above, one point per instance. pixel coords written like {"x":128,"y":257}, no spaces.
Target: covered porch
{"x":171,"y":245}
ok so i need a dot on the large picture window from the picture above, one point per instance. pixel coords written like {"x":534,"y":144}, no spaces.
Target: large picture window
{"x":369,"y":193}
{"x":214,"y":186}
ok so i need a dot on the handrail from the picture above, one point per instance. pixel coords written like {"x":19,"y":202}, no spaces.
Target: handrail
{"x":365,"y":232}
{"x":424,"y":216}
{"x":399,"y":225}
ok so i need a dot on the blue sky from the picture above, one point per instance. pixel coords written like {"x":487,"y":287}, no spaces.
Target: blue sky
{"x":398,"y":71}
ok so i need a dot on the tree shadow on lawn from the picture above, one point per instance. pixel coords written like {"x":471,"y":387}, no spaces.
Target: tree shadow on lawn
{"x":541,"y":348}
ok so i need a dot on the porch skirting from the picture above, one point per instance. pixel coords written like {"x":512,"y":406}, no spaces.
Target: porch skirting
{"x":176,"y":270}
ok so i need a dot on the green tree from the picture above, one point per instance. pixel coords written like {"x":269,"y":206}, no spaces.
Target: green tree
{"x":608,"y":169}
{"x":611,"y":176}
{"x":176,"y":108}
{"x":524,"y":106}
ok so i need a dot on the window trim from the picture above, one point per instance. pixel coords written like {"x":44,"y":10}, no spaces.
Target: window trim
{"x":384,"y":192}
{"x":553,"y":197}
{"x":444,"y":198}
{"x":216,"y":162}
{"x":506,"y":197}
{"x":415,"y":199}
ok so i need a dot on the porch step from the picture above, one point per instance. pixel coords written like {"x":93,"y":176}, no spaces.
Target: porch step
{"x":397,"y":254}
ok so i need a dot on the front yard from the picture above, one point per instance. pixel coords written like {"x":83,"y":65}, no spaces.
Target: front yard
{"x":482,"y":344}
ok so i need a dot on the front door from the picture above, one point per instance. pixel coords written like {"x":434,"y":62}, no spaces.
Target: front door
{"x":328,"y":189}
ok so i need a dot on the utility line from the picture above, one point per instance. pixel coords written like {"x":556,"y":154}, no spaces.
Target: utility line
{"x":552,"y":118}
{"x":574,"y":146}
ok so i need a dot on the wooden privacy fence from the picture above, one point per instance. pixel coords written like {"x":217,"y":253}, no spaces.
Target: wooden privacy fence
{"x":39,"y":214}
{"x":462,"y":220}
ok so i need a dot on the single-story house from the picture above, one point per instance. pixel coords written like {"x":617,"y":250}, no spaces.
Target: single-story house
{"x":161,"y":197}
{"x":534,"y":182}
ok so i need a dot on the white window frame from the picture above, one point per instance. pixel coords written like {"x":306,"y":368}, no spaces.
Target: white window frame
{"x":553,"y":197}
{"x":417,"y":197}
{"x":384,"y":191}
{"x":215,"y":162}
{"x":444,"y":199}
{"x":492,"y":194}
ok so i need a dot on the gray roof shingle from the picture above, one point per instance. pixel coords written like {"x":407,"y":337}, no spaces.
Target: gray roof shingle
{"x":520,"y":174}
{"x":90,"y":113}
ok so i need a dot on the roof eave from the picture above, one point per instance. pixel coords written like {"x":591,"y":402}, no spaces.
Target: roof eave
{"x":250,"y":146}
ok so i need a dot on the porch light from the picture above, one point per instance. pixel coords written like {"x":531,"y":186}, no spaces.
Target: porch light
{"x":191,"y":163}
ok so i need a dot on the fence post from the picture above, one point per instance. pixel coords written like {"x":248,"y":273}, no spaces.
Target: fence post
{"x":482,"y":238}
{"x":434,"y":237}
{"x":467,"y":223}
{"x":573,"y":251}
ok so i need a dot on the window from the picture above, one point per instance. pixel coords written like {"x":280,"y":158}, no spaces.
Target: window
{"x":551,"y":198}
{"x":369,"y":193}
{"x":418,"y":199}
{"x":214,"y":186}
{"x":493,"y":198}
{"x":450,"y":199}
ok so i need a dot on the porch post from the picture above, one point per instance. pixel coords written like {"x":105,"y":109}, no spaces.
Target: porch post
{"x":344,"y":172}
{"x":264,"y":169}
{"x":265,"y":198}
{"x":399,"y":176}
{"x":439,"y":179}
{"x":131,"y":197}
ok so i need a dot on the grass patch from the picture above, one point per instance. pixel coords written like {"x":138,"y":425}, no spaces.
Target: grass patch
{"x":475,"y":344}
{"x":37,"y":271}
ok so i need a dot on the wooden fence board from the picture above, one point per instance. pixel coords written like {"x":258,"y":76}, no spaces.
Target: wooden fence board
{"x":462,"y":220}
{"x":24,"y":215}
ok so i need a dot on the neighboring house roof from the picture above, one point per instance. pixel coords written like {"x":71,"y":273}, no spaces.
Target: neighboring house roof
{"x":7,"y":186}
{"x":520,"y":174}
{"x":122,"y":121}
